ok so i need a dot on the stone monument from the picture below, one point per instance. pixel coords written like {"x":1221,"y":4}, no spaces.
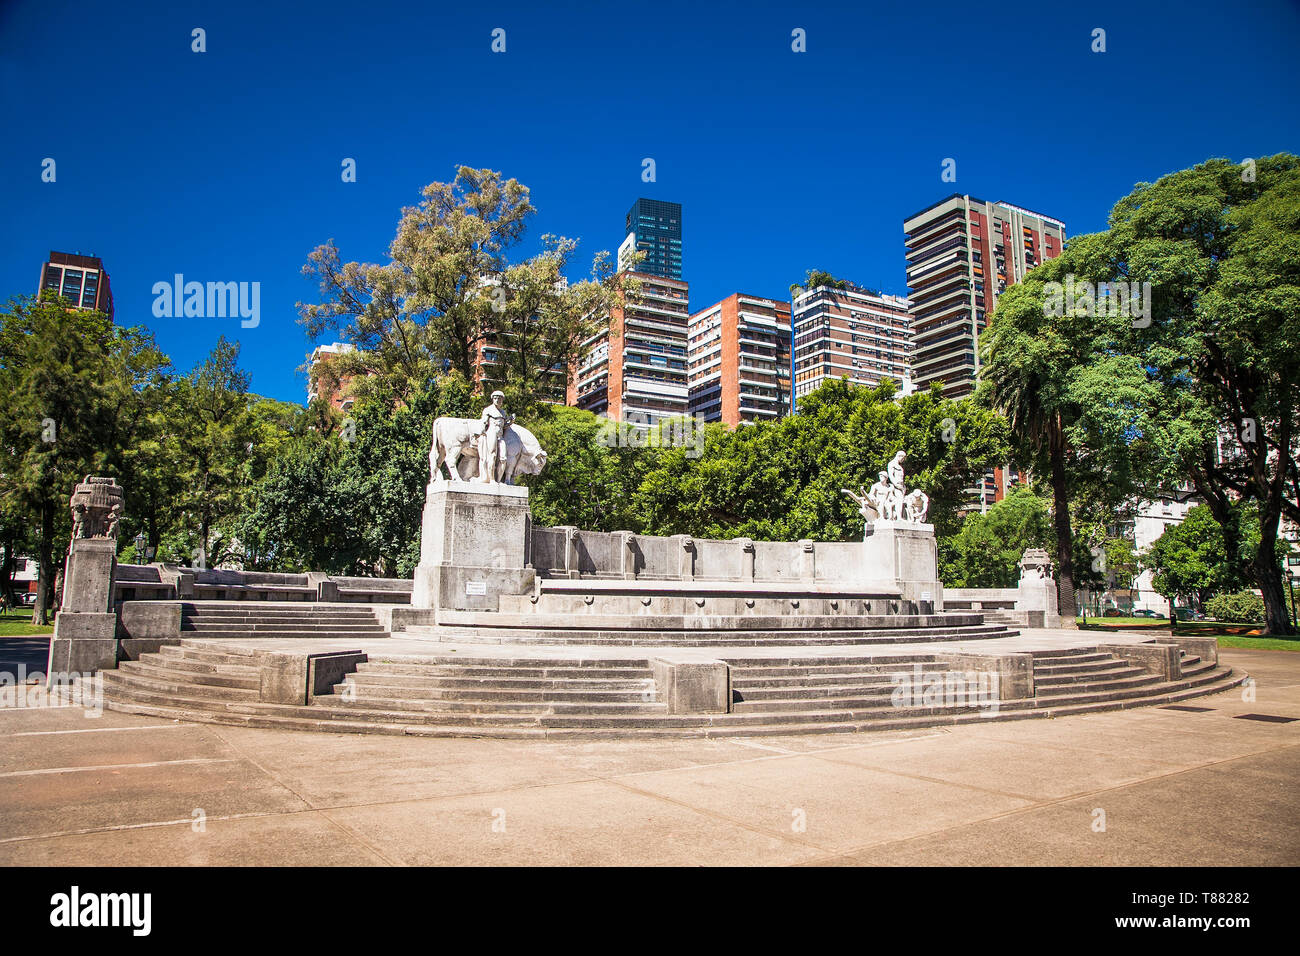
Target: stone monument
{"x":1037,"y":588}
{"x":85,"y":629}
{"x":899,"y":544}
{"x":475,"y":533}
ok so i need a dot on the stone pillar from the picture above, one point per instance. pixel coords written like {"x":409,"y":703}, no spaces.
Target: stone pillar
{"x":746,"y":558}
{"x":686,"y":557}
{"x":807,"y":570}
{"x":626,"y":555}
{"x":1038,"y":596}
{"x":85,"y":630}
{"x":474,"y":545}
{"x":905,"y":553}
{"x":570,"y":556}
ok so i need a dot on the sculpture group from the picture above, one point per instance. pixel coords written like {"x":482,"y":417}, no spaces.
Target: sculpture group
{"x":889,"y":500}
{"x":491,"y":448}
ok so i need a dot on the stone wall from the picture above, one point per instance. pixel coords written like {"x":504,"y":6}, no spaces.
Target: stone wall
{"x":620,"y":555}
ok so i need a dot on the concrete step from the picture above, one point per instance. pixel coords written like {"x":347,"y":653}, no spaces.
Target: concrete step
{"x":442,"y":682}
{"x":295,"y":634}
{"x":1120,"y":683}
{"x":613,"y":667}
{"x":178,"y":663}
{"x":173,"y":687}
{"x":487,"y":672}
{"x":198,"y":655}
{"x":487,"y":632}
{"x":749,"y":680}
{"x":1107,"y":671}
{"x":149,"y":666}
{"x":309,"y":718}
{"x":490,"y":694}
{"x":507,"y":707}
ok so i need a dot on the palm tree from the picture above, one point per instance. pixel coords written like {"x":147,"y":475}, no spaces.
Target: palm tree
{"x":1024,"y":364}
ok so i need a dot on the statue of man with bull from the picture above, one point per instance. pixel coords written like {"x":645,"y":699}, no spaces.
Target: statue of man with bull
{"x":490,"y":449}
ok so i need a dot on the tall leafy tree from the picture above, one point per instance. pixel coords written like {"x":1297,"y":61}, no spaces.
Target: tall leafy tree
{"x":71,"y":383}
{"x":449,"y":289}
{"x":1220,"y":246}
{"x":216,"y":435}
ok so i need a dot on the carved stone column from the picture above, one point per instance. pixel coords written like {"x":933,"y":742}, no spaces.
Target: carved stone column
{"x":85,"y":630}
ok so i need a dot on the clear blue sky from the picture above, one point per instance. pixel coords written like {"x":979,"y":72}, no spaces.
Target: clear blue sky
{"x":224,"y":166}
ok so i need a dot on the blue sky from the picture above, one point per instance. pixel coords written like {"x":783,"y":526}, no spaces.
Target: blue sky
{"x":225,"y":165}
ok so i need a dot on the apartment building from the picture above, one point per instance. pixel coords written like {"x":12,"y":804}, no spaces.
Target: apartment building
{"x":851,"y":333}
{"x":82,"y":280}
{"x":637,"y":371}
{"x":962,"y":253}
{"x":738,"y":360}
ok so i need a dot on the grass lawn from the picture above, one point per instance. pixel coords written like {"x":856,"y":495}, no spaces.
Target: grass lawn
{"x":1260,"y":643}
{"x":1128,"y":623}
{"x":19,"y":622}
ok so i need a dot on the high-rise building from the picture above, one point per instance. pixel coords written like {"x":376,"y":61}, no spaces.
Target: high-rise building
{"x":324,"y":381}
{"x":849,"y":333}
{"x":962,"y":253}
{"x":637,"y":371}
{"x":80,"y":279}
{"x":738,"y":357}
{"x":654,"y":227}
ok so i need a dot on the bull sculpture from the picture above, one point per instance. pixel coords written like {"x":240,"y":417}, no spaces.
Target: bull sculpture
{"x":456,"y":443}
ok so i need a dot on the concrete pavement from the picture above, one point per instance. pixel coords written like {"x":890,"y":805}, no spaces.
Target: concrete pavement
{"x":1145,"y":787}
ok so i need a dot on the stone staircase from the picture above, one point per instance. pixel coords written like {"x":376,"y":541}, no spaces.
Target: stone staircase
{"x":555,"y":697}
{"x":236,"y":620}
{"x":710,"y":631}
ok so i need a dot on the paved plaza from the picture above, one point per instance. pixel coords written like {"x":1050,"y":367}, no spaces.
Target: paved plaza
{"x":1144,"y":787}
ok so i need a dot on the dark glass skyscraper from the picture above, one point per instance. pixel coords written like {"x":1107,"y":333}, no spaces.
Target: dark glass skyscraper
{"x":655,"y":228}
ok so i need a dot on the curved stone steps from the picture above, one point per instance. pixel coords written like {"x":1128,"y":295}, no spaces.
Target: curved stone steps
{"x":309,"y":718}
{"x":703,"y":638}
{"x":161,"y":672}
{"x":501,"y":710}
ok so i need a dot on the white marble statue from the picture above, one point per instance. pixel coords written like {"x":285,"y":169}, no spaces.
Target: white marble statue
{"x":886,"y":498}
{"x":865,"y":507}
{"x":457,"y":443}
{"x":917,"y":504}
{"x":495,"y":423}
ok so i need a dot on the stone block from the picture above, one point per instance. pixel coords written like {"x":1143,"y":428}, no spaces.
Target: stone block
{"x":1206,"y":648}
{"x":88,"y":577}
{"x":1161,"y":659}
{"x":327,"y":589}
{"x":288,"y":678}
{"x":1013,"y":673}
{"x":149,"y":619}
{"x":327,"y":669}
{"x":692,"y":686}
{"x":83,"y":642}
{"x":474,"y":527}
{"x":283,"y":678}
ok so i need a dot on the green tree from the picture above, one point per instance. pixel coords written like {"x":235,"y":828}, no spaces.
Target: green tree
{"x":448,"y":290}
{"x":71,"y":383}
{"x":215,"y":434}
{"x":1221,"y":250}
{"x":1192,"y":559}
{"x":986,"y":551}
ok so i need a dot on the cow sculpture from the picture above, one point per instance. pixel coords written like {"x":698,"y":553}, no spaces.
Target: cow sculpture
{"x":455,"y":443}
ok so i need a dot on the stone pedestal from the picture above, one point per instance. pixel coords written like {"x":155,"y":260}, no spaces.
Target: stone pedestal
{"x":905,"y":553}
{"x":474,"y":545}
{"x":85,"y":630}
